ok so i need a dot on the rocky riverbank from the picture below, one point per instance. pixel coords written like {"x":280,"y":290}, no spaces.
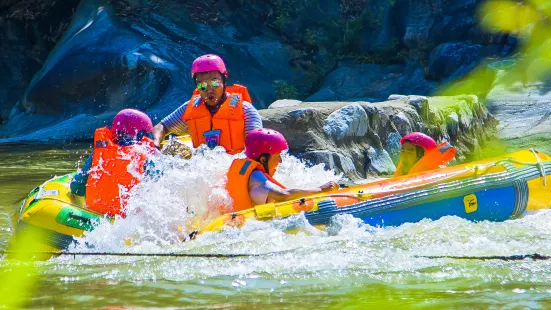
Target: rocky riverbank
{"x":82,"y":59}
{"x":356,"y":138}
{"x":362,"y":138}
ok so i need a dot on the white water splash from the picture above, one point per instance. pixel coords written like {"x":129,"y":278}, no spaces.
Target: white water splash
{"x":163,"y":210}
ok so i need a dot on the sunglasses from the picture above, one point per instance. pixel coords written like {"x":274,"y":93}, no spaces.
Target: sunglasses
{"x":202,"y":86}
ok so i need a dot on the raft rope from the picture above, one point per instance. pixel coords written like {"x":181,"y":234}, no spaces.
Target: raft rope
{"x":517,"y":257}
{"x":534,"y":256}
{"x":128,"y":254}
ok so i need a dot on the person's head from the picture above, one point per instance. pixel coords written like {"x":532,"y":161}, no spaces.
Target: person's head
{"x":265,"y":146}
{"x":210,"y":74}
{"x":131,"y":124}
{"x":414,"y":146}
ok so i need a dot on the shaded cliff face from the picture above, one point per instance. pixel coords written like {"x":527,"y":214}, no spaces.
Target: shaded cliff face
{"x":29,"y":30}
{"x":118,"y":54}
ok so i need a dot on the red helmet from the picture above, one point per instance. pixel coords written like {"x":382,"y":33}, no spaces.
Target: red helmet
{"x":263,"y":140}
{"x":420,"y":139}
{"x":131,"y":122}
{"x":207,"y":63}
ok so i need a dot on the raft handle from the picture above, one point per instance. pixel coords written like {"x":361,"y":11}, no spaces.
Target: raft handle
{"x":540,"y":167}
{"x":84,"y":220}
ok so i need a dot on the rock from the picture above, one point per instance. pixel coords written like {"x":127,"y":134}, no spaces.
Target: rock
{"x":523,"y":112}
{"x":332,"y":132}
{"x":379,"y":162}
{"x":284,"y":103}
{"x":396,"y":97}
{"x":349,"y":121}
{"x":452,"y":58}
{"x":431,"y":23}
{"x":380,"y":30}
{"x":418,"y":102}
{"x":353,"y":82}
{"x":345,"y":164}
{"x":303,"y":115}
{"x":393,"y":146}
{"x":320,"y":157}
{"x":107,"y":60}
{"x":452,"y":123}
{"x":27,"y":33}
{"x":401,"y":123}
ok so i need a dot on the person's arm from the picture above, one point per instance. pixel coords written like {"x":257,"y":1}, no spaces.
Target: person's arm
{"x":78,"y":183}
{"x":262,"y":190}
{"x":279,"y":194}
{"x":252,"y":117}
{"x":173,"y":123}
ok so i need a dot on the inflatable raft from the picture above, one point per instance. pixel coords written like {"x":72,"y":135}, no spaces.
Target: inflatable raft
{"x":495,"y":190}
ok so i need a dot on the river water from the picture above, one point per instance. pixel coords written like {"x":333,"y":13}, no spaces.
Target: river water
{"x":349,"y":265}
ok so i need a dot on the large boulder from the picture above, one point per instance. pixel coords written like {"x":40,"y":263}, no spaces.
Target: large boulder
{"x":362,"y":138}
{"x":429,"y":23}
{"x":523,"y":111}
{"x":452,"y":59}
{"x":28,"y":32}
{"x":109,"y":59}
{"x":370,"y":82}
{"x":348,"y":121}
{"x":380,"y":31}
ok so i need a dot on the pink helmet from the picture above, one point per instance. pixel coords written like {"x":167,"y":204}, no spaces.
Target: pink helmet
{"x":131,"y":122}
{"x":207,"y":63}
{"x":420,"y":139}
{"x":263,"y":140}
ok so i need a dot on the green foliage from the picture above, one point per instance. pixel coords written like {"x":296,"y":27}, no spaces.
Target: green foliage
{"x":310,"y":36}
{"x":285,"y":10}
{"x":285,"y":90}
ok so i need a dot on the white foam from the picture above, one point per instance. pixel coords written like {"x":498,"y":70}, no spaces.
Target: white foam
{"x":161,"y":211}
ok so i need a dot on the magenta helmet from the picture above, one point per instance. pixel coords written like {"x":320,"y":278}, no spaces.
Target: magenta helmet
{"x":420,"y":139}
{"x":207,"y":63}
{"x":263,"y":140}
{"x":131,"y":122}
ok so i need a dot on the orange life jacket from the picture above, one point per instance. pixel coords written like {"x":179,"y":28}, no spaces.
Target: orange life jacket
{"x":238,"y":182}
{"x":433,"y":159}
{"x":229,"y":119}
{"x":109,"y":179}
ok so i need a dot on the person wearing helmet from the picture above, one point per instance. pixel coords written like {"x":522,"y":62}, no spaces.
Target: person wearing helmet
{"x":106,"y":176}
{"x":421,"y":153}
{"x":250,"y":180}
{"x":216,"y":114}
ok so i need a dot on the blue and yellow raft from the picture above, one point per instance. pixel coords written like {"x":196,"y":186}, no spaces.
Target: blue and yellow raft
{"x":495,"y":190}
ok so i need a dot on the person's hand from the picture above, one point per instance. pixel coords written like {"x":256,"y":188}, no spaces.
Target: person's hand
{"x":329,"y":186}
{"x":157,"y":142}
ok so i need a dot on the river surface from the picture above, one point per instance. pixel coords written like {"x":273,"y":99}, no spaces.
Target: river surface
{"x":348,"y":266}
